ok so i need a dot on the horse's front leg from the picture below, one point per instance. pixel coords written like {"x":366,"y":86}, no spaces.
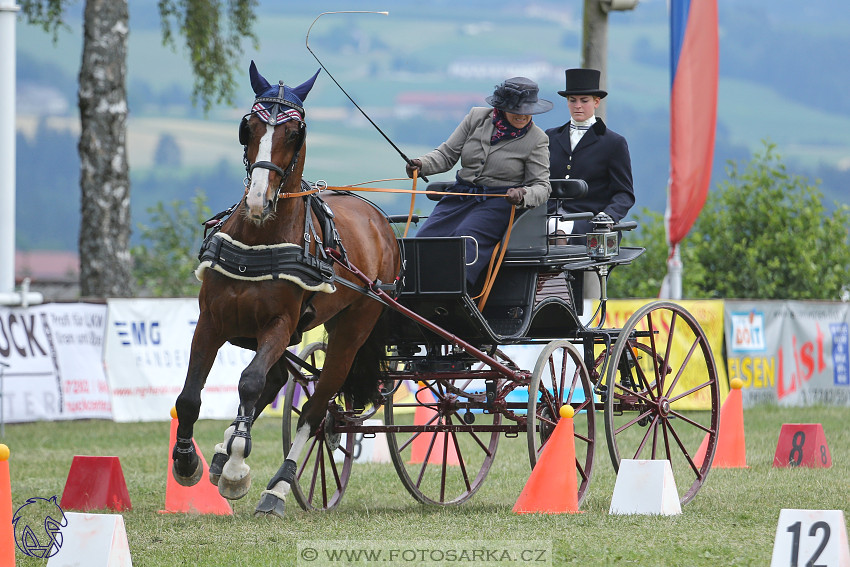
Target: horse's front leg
{"x":235,"y":479}
{"x":275,"y":380}
{"x":187,"y":467}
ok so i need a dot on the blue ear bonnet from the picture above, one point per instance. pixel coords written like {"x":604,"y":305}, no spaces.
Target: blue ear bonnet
{"x":279,"y":103}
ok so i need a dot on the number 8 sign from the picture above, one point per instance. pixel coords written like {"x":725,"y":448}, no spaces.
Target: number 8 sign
{"x":809,"y":538}
{"x":802,"y":445}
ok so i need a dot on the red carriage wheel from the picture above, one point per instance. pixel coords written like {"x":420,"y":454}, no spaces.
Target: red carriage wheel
{"x":325,"y":466}
{"x":447,"y":456}
{"x":663,"y":396}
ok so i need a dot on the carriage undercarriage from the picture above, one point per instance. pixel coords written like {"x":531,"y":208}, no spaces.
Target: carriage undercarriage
{"x":656,"y":392}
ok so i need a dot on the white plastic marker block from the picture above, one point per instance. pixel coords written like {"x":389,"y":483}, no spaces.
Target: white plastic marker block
{"x":93,"y":540}
{"x":645,"y":487}
{"x":367,"y":449}
{"x":811,"y":537}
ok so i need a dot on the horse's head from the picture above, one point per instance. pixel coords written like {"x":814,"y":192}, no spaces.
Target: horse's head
{"x":273,"y":134}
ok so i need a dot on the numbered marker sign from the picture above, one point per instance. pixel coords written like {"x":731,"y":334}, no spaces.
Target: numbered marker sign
{"x":806,"y":538}
{"x":802,"y":445}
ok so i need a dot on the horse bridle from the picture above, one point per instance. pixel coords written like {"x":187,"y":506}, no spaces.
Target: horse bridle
{"x":273,"y":112}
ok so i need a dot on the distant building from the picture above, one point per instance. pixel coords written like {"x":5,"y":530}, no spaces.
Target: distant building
{"x":55,"y":274}
{"x":436,"y":105}
{"x":500,"y":69}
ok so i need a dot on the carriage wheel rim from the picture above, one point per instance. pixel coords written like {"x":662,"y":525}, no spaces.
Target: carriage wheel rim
{"x":667,"y":426}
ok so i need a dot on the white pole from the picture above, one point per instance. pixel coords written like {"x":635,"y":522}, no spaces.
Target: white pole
{"x":674,"y":273}
{"x":7,"y":145}
{"x":8,"y":296}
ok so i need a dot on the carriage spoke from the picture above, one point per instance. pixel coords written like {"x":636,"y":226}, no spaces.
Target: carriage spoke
{"x":413,"y":437}
{"x":666,"y":362}
{"x":306,"y":458}
{"x":642,"y":378}
{"x":472,"y":434}
{"x":683,"y":448}
{"x":684,"y":365}
{"x":643,"y":439}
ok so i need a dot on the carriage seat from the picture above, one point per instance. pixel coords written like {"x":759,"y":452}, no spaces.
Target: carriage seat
{"x":528,"y":235}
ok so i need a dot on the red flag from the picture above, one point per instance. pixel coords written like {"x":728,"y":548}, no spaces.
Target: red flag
{"x":693,"y":111}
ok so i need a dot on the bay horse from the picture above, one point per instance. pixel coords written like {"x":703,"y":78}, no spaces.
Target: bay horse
{"x":266,"y":279}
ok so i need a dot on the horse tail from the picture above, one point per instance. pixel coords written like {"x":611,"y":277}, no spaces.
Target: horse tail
{"x":368,"y":369}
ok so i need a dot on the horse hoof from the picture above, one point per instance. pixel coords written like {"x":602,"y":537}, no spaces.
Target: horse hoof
{"x":270,"y":505}
{"x":216,"y":466}
{"x":190,"y":480}
{"x":234,"y":489}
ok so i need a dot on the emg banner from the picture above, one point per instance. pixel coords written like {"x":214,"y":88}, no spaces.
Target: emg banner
{"x":52,"y":357}
{"x":147,"y":356}
{"x":791,"y":353}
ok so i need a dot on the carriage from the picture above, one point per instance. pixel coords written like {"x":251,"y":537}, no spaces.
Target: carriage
{"x":441,"y":366}
{"x":653,"y":381}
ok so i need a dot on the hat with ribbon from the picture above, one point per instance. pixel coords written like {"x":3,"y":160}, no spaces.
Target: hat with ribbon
{"x":518,"y":96}
{"x":583,"y":82}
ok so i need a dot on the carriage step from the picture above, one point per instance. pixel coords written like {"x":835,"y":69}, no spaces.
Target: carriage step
{"x":505,"y":327}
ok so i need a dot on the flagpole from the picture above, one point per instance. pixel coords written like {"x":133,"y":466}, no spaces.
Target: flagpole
{"x":674,"y":273}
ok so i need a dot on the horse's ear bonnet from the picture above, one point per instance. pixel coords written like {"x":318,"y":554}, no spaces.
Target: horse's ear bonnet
{"x":274,"y":104}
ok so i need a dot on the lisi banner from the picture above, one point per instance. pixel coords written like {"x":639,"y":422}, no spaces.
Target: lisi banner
{"x":791,"y":353}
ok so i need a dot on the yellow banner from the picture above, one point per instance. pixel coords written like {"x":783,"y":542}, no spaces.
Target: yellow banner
{"x":709,"y":315}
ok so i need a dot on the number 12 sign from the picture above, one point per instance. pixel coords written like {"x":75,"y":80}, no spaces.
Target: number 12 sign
{"x":811,"y":538}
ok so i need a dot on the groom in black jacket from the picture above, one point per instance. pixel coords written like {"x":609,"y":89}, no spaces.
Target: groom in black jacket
{"x":584,"y":148}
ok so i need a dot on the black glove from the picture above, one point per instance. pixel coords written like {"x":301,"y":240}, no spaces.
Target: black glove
{"x":417,"y":164}
{"x":515,"y":195}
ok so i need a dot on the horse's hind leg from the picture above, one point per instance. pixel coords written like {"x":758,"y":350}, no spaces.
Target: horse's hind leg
{"x":344,"y":340}
{"x":187,"y":467}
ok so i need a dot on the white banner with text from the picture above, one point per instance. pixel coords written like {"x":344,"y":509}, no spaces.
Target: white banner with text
{"x":51,"y":359}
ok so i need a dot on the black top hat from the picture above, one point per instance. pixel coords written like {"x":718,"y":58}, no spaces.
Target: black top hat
{"x":583,"y":82}
{"x":518,"y":96}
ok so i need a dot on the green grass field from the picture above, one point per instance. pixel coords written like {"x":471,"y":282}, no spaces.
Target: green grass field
{"x":731,"y":521}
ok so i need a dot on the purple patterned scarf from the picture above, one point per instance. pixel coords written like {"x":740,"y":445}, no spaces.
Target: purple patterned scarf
{"x":504,"y":130}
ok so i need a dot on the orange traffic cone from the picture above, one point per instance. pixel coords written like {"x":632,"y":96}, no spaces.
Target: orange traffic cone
{"x":423,"y":441}
{"x":731,"y":452}
{"x":203,"y":498}
{"x":552,"y":487}
{"x":7,"y":535}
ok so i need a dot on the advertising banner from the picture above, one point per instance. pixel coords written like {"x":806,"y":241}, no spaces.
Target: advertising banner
{"x":51,"y":362}
{"x":147,"y":356}
{"x":790,"y":353}
{"x":709,"y":315}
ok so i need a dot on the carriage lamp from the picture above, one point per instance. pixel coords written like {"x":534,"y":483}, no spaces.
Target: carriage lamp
{"x":602,"y":241}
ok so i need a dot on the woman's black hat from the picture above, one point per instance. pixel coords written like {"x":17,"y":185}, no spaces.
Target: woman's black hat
{"x":518,"y":96}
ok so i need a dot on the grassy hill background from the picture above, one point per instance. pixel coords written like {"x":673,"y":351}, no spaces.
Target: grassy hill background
{"x":770,"y":89}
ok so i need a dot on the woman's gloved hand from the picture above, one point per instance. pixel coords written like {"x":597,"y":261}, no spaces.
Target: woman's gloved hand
{"x":417,"y":164}
{"x":515,"y":195}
